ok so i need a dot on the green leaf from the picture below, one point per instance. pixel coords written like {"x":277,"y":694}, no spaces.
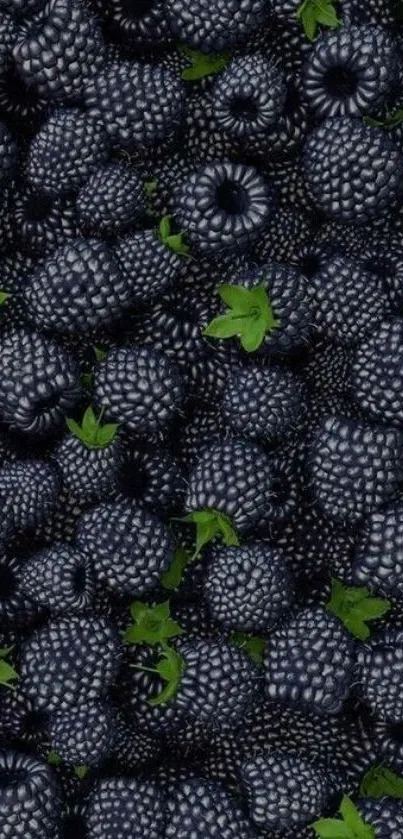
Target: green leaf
{"x":172,"y":578}
{"x":150,"y":187}
{"x":250,"y":316}
{"x":253,"y":337}
{"x":165,"y":227}
{"x":87,"y":380}
{"x":252,"y":645}
{"x":388,"y":121}
{"x":106,"y":434}
{"x":351,"y":825}
{"x":380,"y":782}
{"x":170,"y":668}
{"x":332,"y":829}
{"x":223,"y":326}
{"x":53,"y":759}
{"x":7,"y":673}
{"x":100,"y":353}
{"x":91,"y":432}
{"x":237,"y":297}
{"x":177,"y":244}
{"x":4,"y":295}
{"x":81,"y":772}
{"x":5,"y":651}
{"x":356,"y":607}
{"x":152,"y":624}
{"x":202,"y":65}
{"x":351,"y":816}
{"x":89,"y":423}
{"x":313,"y":13}
{"x":211,"y":524}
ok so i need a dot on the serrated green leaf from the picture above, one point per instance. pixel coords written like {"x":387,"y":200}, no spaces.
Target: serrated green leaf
{"x":152,"y":624}
{"x":53,"y":759}
{"x":309,"y":22}
{"x":81,"y":772}
{"x":313,"y":13}
{"x":172,"y":578}
{"x":355,"y":607}
{"x":100,"y":353}
{"x":170,"y":668}
{"x":351,"y":816}
{"x":74,"y":427}
{"x":237,"y":297}
{"x":165,"y":227}
{"x":380,"y":782}
{"x":7,"y":674}
{"x":202,"y":64}
{"x":89,"y":423}
{"x":223,"y":326}
{"x":106,"y":434}
{"x":210,"y":524}
{"x":4,"y":295}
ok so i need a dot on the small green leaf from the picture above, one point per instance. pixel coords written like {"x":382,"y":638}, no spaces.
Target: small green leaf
{"x":313,"y":13}
{"x":91,"y":432}
{"x":355,"y":607}
{"x":170,"y":669}
{"x":253,"y":337}
{"x":250,"y":316}
{"x":390,"y":120}
{"x":100,"y":353}
{"x":237,"y":297}
{"x":152,"y":624}
{"x":165,"y":227}
{"x":177,"y":244}
{"x":172,"y":578}
{"x":380,"y":782}
{"x":7,"y":673}
{"x":53,"y":759}
{"x":87,"y":380}
{"x":89,"y":423}
{"x":223,"y":326}
{"x":202,"y":65}
{"x":351,"y":816}
{"x":252,"y":645}
{"x":150,"y":187}
{"x":81,"y":772}
{"x":351,"y":825}
{"x":211,"y":524}
{"x":4,"y":295}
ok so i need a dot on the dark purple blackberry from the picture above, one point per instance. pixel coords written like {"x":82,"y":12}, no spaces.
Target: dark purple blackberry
{"x":262,"y":403}
{"x":384,"y":816}
{"x":354,"y":468}
{"x":309,"y":662}
{"x":140,"y":388}
{"x":347,"y":301}
{"x":67,"y":149}
{"x":111,"y":201}
{"x":69,"y":662}
{"x":284,"y":792}
{"x":223,"y":207}
{"x":235,"y":478}
{"x":162,"y":177}
{"x":153,"y":477}
{"x":248,"y":96}
{"x":284,"y":139}
{"x":149,"y":267}
{"x":59,"y":578}
{"x":197,"y":807}
{"x":29,"y":491}
{"x":288,"y":231}
{"x":387,"y":264}
{"x":41,"y":224}
{"x":387,"y":740}
{"x":19,"y":104}
{"x":377,"y":561}
{"x":60,"y":524}
{"x":133,"y":749}
{"x":77,"y":289}
{"x":141,"y":25}
{"x":380,"y":675}
{"x":374,"y":11}
{"x":286,"y":179}
{"x":351,"y":71}
{"x":202,"y":141}
{"x":8,"y":155}
{"x":60,"y":51}
{"x":16,"y":608}
{"x":8,"y":33}
{"x":89,"y":469}
{"x":375,"y":373}
{"x":354,"y":172}
{"x":83,"y":736}
{"x":15,"y":268}
{"x":30,"y":797}
{"x":248,"y":588}
{"x":122,"y":806}
{"x":347,"y":239}
{"x":140,"y":105}
{"x":140,"y":543}
{"x":204,"y":427}
{"x":215,"y":27}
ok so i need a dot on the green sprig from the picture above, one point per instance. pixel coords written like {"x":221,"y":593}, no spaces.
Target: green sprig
{"x":169,"y":668}
{"x":151,"y":624}
{"x":351,"y":825}
{"x":7,"y":673}
{"x":174,"y":241}
{"x":316,"y":13}
{"x":202,"y":64}
{"x":252,"y":645}
{"x":380,"y":782}
{"x":356,"y":607}
{"x":91,"y":432}
{"x":210,"y":524}
{"x":250,"y":316}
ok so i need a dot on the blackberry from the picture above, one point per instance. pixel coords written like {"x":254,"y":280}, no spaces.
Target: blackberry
{"x":16,"y":608}
{"x":111,"y":201}
{"x":77,"y":289}
{"x":197,"y":807}
{"x":387,"y":264}
{"x":354,"y":467}
{"x":384,"y":816}
{"x":223,"y":207}
{"x":375,"y":373}
{"x":353,"y":171}
{"x":140,"y":388}
{"x":262,"y":403}
{"x":286,"y":178}
{"x":29,"y":795}
{"x":248,"y":97}
{"x":351,"y":71}
{"x":83,"y":736}
{"x":202,"y":141}
{"x":217,"y":26}
{"x":141,"y":25}
{"x":284,"y":139}
{"x":309,"y":662}
{"x":132,"y":748}
{"x":8,"y":155}
{"x":29,"y":491}
{"x":42,"y":224}
{"x":60,"y":51}
{"x":89,"y":469}
{"x":203,"y":428}
{"x":235,"y":478}
{"x":23,"y":8}
{"x":379,"y":675}
{"x":141,"y":545}
{"x":154,"y":478}
{"x":139,"y":105}
{"x":8,"y":32}
{"x":69,"y":662}
{"x":377,"y":559}
{"x":288,"y":231}
{"x":148,"y":266}
{"x":19,"y":104}
{"x":284,"y":792}
{"x":59,"y":578}
{"x":117,"y":806}
{"x":374,"y":11}
{"x":248,"y":588}
{"x":67,"y":149}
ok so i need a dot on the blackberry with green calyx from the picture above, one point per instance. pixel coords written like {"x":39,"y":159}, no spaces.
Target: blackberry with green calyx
{"x":149,"y":264}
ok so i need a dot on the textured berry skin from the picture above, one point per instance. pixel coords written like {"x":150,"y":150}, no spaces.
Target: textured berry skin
{"x":354,"y":172}
{"x":152,"y":477}
{"x":380,"y":675}
{"x":249,"y":96}
{"x":199,"y":808}
{"x":83,"y":736}
{"x":309,"y":662}
{"x":378,"y":557}
{"x":29,"y":491}
{"x":111,"y":201}
{"x":67,"y":149}
{"x":351,"y":71}
{"x":148,"y":267}
{"x":8,"y":154}
{"x":88,"y":473}
{"x":59,"y":578}
{"x":262,"y":403}
{"x":30,"y":798}
{"x":140,"y":543}
{"x":354,"y":467}
{"x":288,"y":231}
{"x":23,"y":8}
{"x":142,"y":27}
{"x":120,"y":807}
{"x":217,"y":26}
{"x":248,"y":588}
{"x":61,"y":51}
{"x":234,"y":477}
{"x":77,"y":289}
{"x":16,"y":609}
{"x":40,"y":224}
{"x":284,"y":792}
{"x":348,"y":302}
{"x":69,"y":662}
{"x":375,"y":373}
{"x":140,"y":388}
{"x":223,"y":207}
{"x":139,"y":104}
{"x":384,"y":815}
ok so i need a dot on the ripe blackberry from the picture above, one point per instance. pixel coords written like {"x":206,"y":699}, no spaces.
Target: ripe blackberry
{"x":111,"y":201}
{"x":140,"y":26}
{"x":8,"y":154}
{"x":354,"y":172}
{"x":140,"y":542}
{"x":262,"y":403}
{"x":140,"y":388}
{"x":118,"y":806}
{"x":132,"y":748}
{"x":139,"y":105}
{"x":284,"y":139}
{"x":351,"y":71}
{"x":202,"y":141}
{"x":217,"y":26}
{"x":29,"y":491}
{"x":204,"y":427}
{"x":16,"y":609}
{"x":149,"y":267}
{"x":387,"y":264}
{"x":223,"y":207}
{"x":375,"y":373}
{"x":374,"y":11}
{"x":30,"y":797}
{"x":8,"y":33}
{"x":89,"y":471}
{"x":354,"y":467}
{"x":59,"y":578}
{"x":67,"y":149}
{"x":377,"y":559}
{"x":197,"y":807}
{"x":22,"y":8}
{"x":42,"y":224}
{"x":309,"y":662}
{"x":154,"y":478}
{"x":287,"y":232}
{"x":77,"y":289}
{"x":69,"y":662}
{"x":19,"y":104}
{"x":60,"y":51}
{"x":83,"y":736}
{"x":248,"y":588}
{"x":384,"y":816}
{"x":248,"y":96}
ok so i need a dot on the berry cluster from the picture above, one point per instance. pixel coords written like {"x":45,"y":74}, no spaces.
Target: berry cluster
{"x":201,"y":419}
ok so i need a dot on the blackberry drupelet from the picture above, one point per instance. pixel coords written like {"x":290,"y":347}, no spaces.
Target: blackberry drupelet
{"x":118,"y":806}
{"x":248,"y":97}
{"x":198,"y":807}
{"x":111,"y":201}
{"x":59,"y":578}
{"x":30,"y":798}
{"x":216,"y":26}
{"x":384,"y":816}
{"x":83,"y":736}
{"x":376,"y":371}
